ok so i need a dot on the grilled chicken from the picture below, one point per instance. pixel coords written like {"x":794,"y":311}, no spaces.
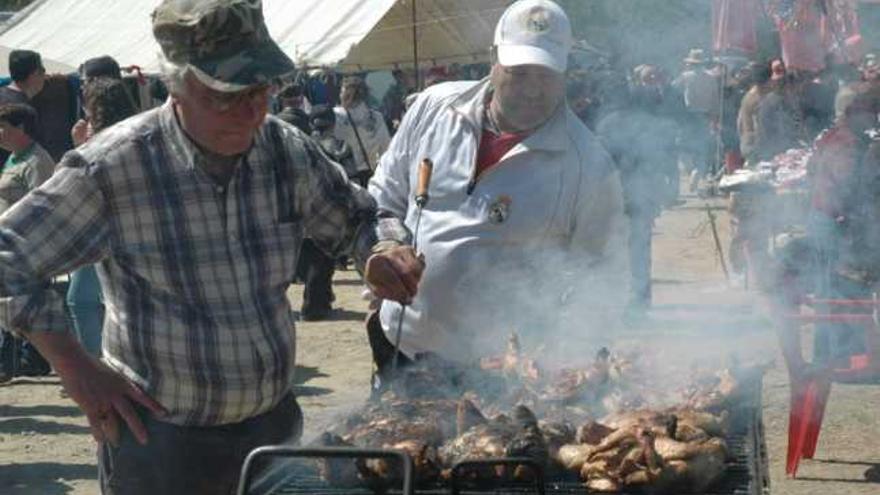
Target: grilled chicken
{"x":671,"y":450}
{"x":573,"y":456}
{"x":644,"y":453}
{"x":713,"y":424}
{"x":337,"y":472}
{"x":592,"y":433}
{"x":703,"y":465}
{"x":557,"y":434}
{"x":429,"y":421}
{"x":426,"y":462}
{"x":502,"y":436}
{"x":513,"y":363}
{"x":418,"y":427}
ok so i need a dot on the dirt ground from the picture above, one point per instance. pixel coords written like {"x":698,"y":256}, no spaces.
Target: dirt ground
{"x":46,"y":449}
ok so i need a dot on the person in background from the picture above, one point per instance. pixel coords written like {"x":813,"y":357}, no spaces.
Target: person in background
{"x":777,"y":70}
{"x":840,"y":178}
{"x":294,"y":107}
{"x":850,"y":79}
{"x":778,"y":117}
{"x":394,"y":101}
{"x":194,"y":212}
{"x":323,"y":124}
{"x":523,"y":195}
{"x":28,"y":80}
{"x":28,"y":77}
{"x":362,"y":127}
{"x":746,"y":121}
{"x":106,"y":102}
{"x":103,"y":66}
{"x":292,"y":95}
{"x":27,"y":166}
{"x":93,"y":68}
{"x":315,"y":267}
{"x":437,"y":75}
{"x":735,"y":89}
{"x":871,"y":69}
{"x":652,"y":86}
{"x":817,"y":95}
{"x":641,"y":141}
{"x":702,"y":100}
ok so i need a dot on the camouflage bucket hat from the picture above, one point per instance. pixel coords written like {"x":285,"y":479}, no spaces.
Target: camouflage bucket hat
{"x":226,"y":41}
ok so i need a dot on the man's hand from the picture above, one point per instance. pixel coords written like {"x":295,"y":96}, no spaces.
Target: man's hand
{"x":81,"y":132}
{"x":395,"y":273}
{"x":104,"y":395}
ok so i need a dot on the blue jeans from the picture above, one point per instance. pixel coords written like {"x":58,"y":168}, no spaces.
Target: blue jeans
{"x":86,"y":308}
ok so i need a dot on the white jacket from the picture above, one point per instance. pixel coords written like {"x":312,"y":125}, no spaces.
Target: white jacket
{"x":371,"y":129}
{"x":501,"y":250}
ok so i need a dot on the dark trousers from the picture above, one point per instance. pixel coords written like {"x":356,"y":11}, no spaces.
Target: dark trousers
{"x":316,"y":270}
{"x":192,"y":460}
{"x":18,"y":357}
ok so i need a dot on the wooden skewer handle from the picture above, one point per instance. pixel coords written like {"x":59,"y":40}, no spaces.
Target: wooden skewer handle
{"x":426,"y":168}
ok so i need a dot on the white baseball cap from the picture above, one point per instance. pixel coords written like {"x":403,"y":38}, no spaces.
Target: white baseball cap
{"x":534,"y":32}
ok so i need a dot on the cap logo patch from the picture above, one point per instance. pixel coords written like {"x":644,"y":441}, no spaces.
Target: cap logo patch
{"x":537,"y":20}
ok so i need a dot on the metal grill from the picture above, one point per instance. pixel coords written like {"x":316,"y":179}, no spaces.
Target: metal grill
{"x":294,"y":471}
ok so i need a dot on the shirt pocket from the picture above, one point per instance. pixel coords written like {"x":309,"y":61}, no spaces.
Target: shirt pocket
{"x":274,"y":251}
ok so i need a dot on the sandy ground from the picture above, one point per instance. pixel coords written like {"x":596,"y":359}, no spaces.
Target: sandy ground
{"x":45,"y":447}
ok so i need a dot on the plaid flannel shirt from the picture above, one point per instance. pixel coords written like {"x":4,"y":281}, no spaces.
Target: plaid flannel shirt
{"x":194,"y":274}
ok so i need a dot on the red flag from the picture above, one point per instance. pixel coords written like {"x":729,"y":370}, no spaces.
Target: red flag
{"x":735,"y":25}
{"x":802,"y":37}
{"x":842,"y":36}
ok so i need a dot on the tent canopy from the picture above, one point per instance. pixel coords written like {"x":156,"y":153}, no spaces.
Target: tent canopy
{"x":352,"y":34}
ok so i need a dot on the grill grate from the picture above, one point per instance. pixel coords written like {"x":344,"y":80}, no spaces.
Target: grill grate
{"x":746,"y":472}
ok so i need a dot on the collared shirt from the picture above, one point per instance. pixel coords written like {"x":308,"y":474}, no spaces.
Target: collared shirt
{"x":496,"y":246}
{"x":194,"y":274}
{"x":22,"y":172}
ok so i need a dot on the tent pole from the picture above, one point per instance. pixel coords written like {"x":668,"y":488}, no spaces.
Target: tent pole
{"x":415,"y":45}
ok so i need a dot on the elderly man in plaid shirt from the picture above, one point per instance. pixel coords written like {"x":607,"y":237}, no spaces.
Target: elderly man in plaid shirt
{"x":194,"y":212}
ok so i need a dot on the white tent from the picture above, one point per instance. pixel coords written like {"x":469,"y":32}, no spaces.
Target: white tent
{"x":354,"y":34}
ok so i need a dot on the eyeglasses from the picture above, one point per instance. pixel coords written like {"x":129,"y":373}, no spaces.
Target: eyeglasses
{"x":224,"y":102}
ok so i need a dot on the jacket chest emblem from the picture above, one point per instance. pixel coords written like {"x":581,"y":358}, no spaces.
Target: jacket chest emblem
{"x":499,"y":211}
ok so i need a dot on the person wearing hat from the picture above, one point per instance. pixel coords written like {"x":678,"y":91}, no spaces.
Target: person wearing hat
{"x":194,"y":213}
{"x":524,"y":202}
{"x":362,"y":127}
{"x":701,"y":91}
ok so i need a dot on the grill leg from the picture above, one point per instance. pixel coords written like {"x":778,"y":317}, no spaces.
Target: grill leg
{"x":796,"y":423}
{"x":804,"y":420}
{"x":823,"y":390}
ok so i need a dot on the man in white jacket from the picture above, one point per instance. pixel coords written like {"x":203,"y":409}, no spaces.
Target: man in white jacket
{"x":361,"y":127}
{"x":524,"y":201}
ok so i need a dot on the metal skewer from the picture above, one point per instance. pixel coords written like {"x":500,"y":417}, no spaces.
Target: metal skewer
{"x":425,"y":170}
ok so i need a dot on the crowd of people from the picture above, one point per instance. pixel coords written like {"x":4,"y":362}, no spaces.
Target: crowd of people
{"x":182,"y":226}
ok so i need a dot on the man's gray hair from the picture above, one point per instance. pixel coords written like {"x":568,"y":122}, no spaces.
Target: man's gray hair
{"x":173,"y":75}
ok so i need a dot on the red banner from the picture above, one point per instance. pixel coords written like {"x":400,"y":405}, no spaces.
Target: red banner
{"x":734,"y":25}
